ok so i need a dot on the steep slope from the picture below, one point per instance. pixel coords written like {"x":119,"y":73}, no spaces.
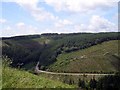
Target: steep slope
{"x":101,"y":58}
{"x":14,"y":78}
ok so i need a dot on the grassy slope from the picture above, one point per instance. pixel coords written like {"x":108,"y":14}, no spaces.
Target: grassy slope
{"x":13,"y":78}
{"x":102,"y":57}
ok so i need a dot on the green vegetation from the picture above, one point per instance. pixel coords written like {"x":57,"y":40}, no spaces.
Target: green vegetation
{"x":71,"y":79}
{"x":14,"y":78}
{"x":101,"y":58}
{"x":46,"y":48}
{"x":77,"y":52}
{"x":109,"y":82}
{"x":91,"y":82}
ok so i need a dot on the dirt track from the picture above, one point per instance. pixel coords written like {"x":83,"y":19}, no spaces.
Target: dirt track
{"x":55,"y":73}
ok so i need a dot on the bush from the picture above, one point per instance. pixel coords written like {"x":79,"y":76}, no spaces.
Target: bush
{"x":81,"y":83}
{"x":93,"y":83}
{"x":109,"y":83}
{"x":6,"y":61}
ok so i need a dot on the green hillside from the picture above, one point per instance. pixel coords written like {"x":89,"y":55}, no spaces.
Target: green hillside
{"x":99,"y":58}
{"x":14,"y":78}
{"x":77,"y":52}
{"x":45,"y":48}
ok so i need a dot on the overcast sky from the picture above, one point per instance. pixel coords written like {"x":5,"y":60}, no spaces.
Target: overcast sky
{"x":22,"y":17}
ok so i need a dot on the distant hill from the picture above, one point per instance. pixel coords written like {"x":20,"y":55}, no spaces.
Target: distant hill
{"x":26,"y":51}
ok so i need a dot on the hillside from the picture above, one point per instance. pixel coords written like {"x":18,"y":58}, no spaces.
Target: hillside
{"x":99,"y":58}
{"x":14,"y":78}
{"x":45,"y":48}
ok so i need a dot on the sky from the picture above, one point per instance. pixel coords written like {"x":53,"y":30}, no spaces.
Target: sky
{"x":28,"y":17}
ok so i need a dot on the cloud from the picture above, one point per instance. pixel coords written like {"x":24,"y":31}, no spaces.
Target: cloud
{"x":57,"y":30}
{"x":7,"y":31}
{"x":80,"y":5}
{"x":115,"y":17}
{"x":31,"y":3}
{"x":100,"y":24}
{"x":39,"y":13}
{"x":59,"y":21}
{"x":2,"y":21}
{"x":25,"y":29}
{"x":20,"y":24}
{"x":19,"y":29}
{"x":81,"y":28}
{"x":63,"y":23}
{"x":97,"y":24}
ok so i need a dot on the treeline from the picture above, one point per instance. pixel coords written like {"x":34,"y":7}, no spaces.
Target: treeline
{"x":21,"y":37}
{"x":80,"y":41}
{"x":110,"y":82}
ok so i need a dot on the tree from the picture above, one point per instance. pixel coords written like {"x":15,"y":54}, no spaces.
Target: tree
{"x":81,"y":83}
{"x":93,"y":83}
{"x":70,"y":82}
{"x":111,"y":82}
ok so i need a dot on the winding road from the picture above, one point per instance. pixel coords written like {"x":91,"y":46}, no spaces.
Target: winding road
{"x":55,"y":73}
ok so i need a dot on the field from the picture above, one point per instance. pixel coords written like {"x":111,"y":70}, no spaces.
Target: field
{"x":102,"y":58}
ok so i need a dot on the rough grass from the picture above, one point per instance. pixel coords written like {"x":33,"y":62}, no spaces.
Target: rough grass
{"x":100,"y":58}
{"x":14,"y":78}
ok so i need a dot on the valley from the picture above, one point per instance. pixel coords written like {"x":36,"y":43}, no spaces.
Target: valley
{"x":63,"y":58}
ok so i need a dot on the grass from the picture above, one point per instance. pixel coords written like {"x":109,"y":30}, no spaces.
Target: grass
{"x":14,"y":78}
{"x":99,"y":58}
{"x":74,"y":78}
